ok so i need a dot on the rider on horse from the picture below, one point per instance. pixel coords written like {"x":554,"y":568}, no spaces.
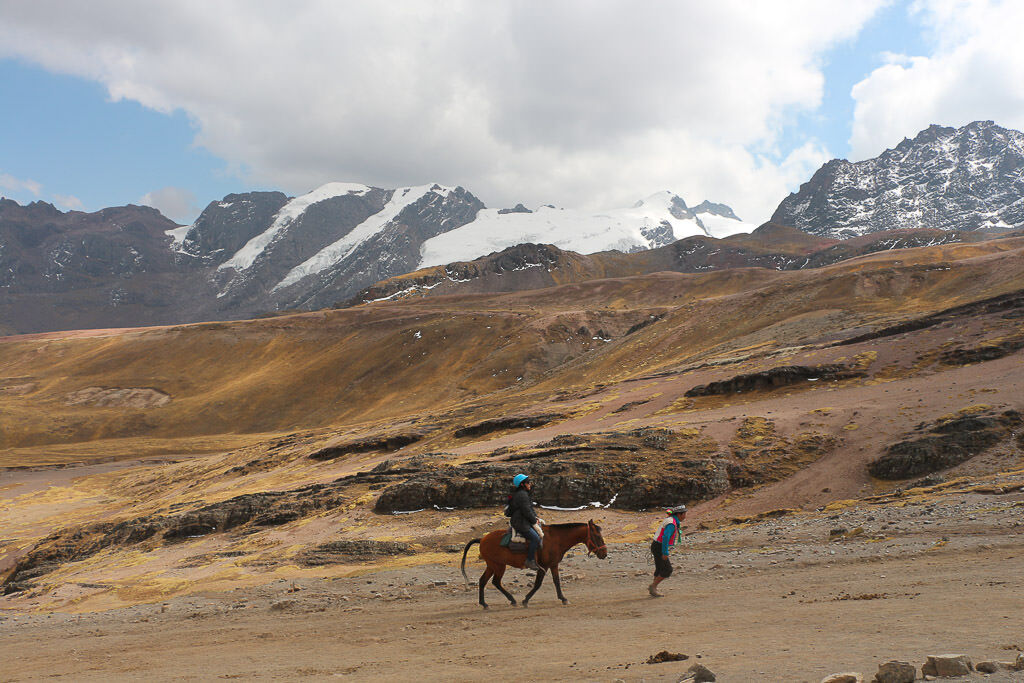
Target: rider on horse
{"x":523,"y":517}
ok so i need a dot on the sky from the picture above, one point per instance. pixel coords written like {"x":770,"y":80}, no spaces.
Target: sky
{"x":586,"y":104}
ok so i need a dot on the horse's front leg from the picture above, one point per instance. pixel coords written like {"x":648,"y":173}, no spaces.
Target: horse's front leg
{"x":536,"y":587}
{"x":558,"y":585}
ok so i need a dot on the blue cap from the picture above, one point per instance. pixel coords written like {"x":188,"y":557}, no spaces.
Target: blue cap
{"x":518,"y":479}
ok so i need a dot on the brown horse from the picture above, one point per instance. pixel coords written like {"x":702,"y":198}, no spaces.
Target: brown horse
{"x":558,"y":538}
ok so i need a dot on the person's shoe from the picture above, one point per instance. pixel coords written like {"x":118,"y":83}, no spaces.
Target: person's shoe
{"x":652,"y":589}
{"x":532,"y":564}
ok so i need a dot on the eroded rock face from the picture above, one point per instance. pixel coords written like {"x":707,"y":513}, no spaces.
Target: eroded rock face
{"x":945,"y":444}
{"x":511,"y":422}
{"x":775,"y":378}
{"x":385,"y":443}
{"x":667,"y":467}
{"x":979,"y":354}
{"x":251,"y":510}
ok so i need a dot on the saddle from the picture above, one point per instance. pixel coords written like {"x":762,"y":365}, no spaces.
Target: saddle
{"x":515,"y":541}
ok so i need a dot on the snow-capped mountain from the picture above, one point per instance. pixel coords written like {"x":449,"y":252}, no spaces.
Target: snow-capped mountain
{"x":653,"y":222}
{"x":271,"y":252}
{"x":970,"y":178}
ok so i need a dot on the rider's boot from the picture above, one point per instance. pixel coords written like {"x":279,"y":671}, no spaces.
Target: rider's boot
{"x":532,"y":564}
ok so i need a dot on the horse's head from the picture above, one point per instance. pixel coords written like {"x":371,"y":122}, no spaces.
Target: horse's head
{"x":595,"y":541}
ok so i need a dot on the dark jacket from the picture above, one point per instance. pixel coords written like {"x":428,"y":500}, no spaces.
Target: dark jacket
{"x":523,"y":516}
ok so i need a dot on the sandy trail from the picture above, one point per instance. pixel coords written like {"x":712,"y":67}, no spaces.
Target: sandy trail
{"x":752,"y":605}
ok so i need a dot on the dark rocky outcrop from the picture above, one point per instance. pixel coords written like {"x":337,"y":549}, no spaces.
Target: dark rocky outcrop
{"x":979,"y":354}
{"x":1009,"y":305}
{"x":246,"y":511}
{"x":665,"y":467}
{"x":945,"y":444}
{"x":512,"y":422}
{"x":387,"y":443}
{"x":775,"y":378}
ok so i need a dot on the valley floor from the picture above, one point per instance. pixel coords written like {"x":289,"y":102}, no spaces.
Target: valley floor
{"x":788,"y":598}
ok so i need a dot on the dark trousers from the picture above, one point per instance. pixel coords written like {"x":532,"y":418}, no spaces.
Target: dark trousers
{"x":534,"y":542}
{"x":662,"y":567}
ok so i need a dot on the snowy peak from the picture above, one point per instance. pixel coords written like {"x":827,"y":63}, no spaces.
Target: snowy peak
{"x":969,"y":178}
{"x":288,"y":214}
{"x":336,"y":252}
{"x":656,"y":220}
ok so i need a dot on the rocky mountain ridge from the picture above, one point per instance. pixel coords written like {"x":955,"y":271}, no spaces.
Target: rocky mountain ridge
{"x":260,"y":252}
{"x":968,"y":178}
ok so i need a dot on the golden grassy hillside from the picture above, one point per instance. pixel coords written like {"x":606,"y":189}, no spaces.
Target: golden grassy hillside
{"x":392,"y":360}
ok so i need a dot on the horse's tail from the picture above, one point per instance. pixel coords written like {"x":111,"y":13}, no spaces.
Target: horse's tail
{"x":464,"y":552}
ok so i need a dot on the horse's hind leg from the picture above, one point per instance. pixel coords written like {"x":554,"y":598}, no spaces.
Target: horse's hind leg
{"x":483,"y":583}
{"x":558,"y":585}
{"x":498,"y":573}
{"x":536,"y":587}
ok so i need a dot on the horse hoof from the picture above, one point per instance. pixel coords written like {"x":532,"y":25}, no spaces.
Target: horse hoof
{"x":485,"y":606}
{"x":525,"y":605}
{"x":564,"y":601}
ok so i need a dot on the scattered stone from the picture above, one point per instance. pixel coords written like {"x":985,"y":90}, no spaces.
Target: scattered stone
{"x":698,"y":673}
{"x":848,"y":677}
{"x":666,"y":656}
{"x":947,"y":666}
{"x":896,"y":672}
{"x":994,"y":667}
{"x":282,"y":605}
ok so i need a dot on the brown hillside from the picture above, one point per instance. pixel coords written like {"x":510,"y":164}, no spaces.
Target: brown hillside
{"x":243,"y":447}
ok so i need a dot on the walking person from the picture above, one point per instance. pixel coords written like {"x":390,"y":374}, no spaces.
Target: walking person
{"x":663,"y":541}
{"x":523,"y":518}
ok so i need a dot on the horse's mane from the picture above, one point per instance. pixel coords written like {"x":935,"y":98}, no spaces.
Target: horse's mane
{"x":567,"y":525}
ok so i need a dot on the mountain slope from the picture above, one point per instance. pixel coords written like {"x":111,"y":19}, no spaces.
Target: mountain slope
{"x":971,"y":178}
{"x":532,"y":266}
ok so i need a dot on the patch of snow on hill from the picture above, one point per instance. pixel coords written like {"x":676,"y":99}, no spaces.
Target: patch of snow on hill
{"x":177,"y":236}
{"x":247,"y":255}
{"x":652,"y":222}
{"x":339,"y":250}
{"x":720,"y":226}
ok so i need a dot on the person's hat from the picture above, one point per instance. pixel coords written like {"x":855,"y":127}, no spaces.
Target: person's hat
{"x":677,"y":510}
{"x":518,"y":479}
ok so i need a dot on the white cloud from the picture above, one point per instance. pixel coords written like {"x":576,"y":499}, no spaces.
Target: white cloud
{"x":975,"y":71}
{"x":12,"y":184}
{"x":68,"y":201}
{"x":176,"y":203}
{"x":576,"y":102}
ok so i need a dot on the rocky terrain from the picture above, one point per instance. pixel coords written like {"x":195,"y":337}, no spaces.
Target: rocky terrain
{"x":848,"y":439}
{"x":965,"y":178}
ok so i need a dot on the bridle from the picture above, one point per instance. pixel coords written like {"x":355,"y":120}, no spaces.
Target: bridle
{"x":592,"y":546}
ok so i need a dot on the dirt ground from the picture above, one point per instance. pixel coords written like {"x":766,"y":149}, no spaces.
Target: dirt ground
{"x":792,"y":598}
